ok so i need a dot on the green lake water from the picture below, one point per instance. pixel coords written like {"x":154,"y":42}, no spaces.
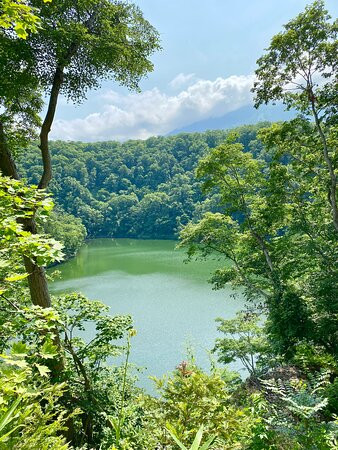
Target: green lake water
{"x":170,"y":301}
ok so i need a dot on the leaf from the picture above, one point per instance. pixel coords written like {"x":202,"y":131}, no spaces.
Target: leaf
{"x":4,"y":437}
{"x":20,"y":31}
{"x":16,"y":277}
{"x":207,"y":444}
{"x":19,"y":348}
{"x":43,"y":370}
{"x":48,"y":350}
{"x":14,"y":362}
{"x":113,"y":422}
{"x":171,"y":431}
{"x":6,"y":419}
{"x":198,"y":438}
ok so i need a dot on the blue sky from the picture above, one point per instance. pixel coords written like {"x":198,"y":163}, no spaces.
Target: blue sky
{"x":204,"y":70}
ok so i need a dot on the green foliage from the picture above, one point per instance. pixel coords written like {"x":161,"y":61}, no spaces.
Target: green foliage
{"x":20,"y":96}
{"x":244,"y":340}
{"x":300,"y":63}
{"x":277,"y":223}
{"x":93,"y":384}
{"x":111,"y":40}
{"x":30,"y":412}
{"x":275,"y":228}
{"x":18,"y":15}
{"x":271,"y":217}
{"x":295,"y":411}
{"x":75,"y":47}
{"x":97,"y":404}
{"x":94,"y":43}
{"x":41,"y":339}
{"x":197,"y":441}
{"x":18,"y":202}
{"x":93,"y":387}
{"x":144,"y":189}
{"x":300,"y":69}
{"x":310,"y":357}
{"x":66,"y":229}
{"x":135,"y":430}
{"x":121,"y":416}
{"x":190,"y":398}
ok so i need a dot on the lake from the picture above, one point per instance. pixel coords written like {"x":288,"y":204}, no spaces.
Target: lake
{"x":171,"y":302}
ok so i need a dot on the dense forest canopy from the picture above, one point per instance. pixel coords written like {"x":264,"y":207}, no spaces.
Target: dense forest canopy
{"x":145,"y":189}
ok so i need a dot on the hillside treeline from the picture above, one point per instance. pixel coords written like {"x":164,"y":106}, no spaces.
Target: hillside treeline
{"x":143,"y":189}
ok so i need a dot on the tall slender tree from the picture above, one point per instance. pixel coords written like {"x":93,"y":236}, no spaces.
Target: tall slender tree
{"x":278,"y":218}
{"x":78,"y":45}
{"x":300,"y":68}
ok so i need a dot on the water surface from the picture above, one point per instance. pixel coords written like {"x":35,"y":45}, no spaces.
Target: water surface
{"x":171,"y":302}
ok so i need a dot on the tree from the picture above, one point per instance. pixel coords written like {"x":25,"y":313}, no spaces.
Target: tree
{"x":66,"y":229}
{"x":78,"y":45}
{"x":18,"y":202}
{"x":244,"y":340}
{"x":36,"y":340}
{"x":300,"y":69}
{"x":275,"y":228}
{"x":189,"y":398}
{"x":275,"y":224}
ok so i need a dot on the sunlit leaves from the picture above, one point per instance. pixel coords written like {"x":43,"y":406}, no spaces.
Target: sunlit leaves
{"x":190,"y":398}
{"x":48,"y":350}
{"x":43,"y":370}
{"x":76,"y":312}
{"x":244,"y":339}
{"x":301,"y":62}
{"x":16,"y":277}
{"x":30,"y":413}
{"x":19,"y":202}
{"x":274,"y":226}
{"x":20,"y":16}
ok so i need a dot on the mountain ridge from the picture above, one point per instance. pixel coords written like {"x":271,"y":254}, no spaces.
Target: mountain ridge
{"x":246,"y":115}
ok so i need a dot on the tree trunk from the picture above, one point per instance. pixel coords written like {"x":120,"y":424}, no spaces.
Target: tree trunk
{"x":37,"y":280}
{"x":46,"y":127}
{"x":333,"y":178}
{"x":7,"y":164}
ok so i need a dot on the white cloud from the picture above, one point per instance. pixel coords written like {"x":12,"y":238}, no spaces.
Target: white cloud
{"x":181,"y":80}
{"x":139,"y":116}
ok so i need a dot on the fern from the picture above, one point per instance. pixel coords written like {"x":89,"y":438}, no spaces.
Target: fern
{"x":302,"y":399}
{"x":294,"y":411}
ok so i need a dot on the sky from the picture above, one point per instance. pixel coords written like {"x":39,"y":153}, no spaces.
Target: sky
{"x":204,"y":70}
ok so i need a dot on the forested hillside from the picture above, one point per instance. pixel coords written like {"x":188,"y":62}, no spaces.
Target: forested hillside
{"x":143,"y":189}
{"x":262,"y":201}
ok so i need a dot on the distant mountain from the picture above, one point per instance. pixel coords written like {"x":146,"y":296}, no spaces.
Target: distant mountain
{"x":242,"y":116}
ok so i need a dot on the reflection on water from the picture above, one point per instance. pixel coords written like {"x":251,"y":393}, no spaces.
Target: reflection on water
{"x":170,"y":301}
